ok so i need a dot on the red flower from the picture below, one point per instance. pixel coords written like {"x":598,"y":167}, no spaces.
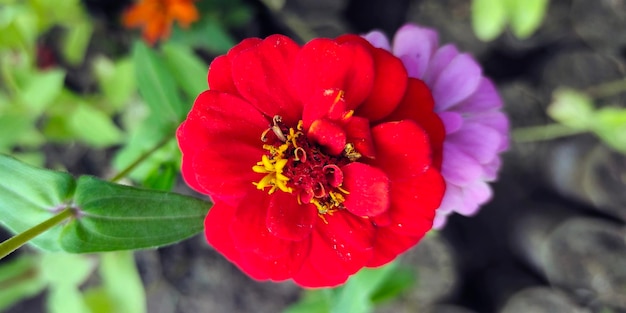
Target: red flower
{"x":320,"y":159}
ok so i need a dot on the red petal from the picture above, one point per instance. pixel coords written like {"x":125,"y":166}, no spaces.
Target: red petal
{"x":341,"y":246}
{"x":224,"y":121}
{"x":243,"y":45}
{"x":359,"y":134}
{"x":402,"y":149}
{"x":216,"y":230}
{"x":328,"y":135}
{"x":220,"y":77}
{"x":389,"y":245}
{"x":368,"y":187}
{"x":262,"y":74}
{"x":418,"y":105}
{"x":286,"y":219}
{"x":309,"y":277}
{"x":323,"y":64}
{"x":390,"y":83}
{"x":249,"y":228}
{"x":281,"y":268}
{"x":414,"y":202}
{"x":329,"y":104}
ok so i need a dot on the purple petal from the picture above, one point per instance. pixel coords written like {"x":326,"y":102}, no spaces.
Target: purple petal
{"x":459,"y":168}
{"x":452,"y":121}
{"x":485,"y":98}
{"x":490,"y":170}
{"x":378,"y":40}
{"x":478,"y":141}
{"x":498,"y":121}
{"x":440,"y":220}
{"x":411,"y":65}
{"x":452,"y":199}
{"x":456,"y":82}
{"x":439,"y":61}
{"x":474,"y":195}
{"x":416,"y":43}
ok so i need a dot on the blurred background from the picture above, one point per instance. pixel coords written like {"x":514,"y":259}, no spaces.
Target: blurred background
{"x":552,"y":239}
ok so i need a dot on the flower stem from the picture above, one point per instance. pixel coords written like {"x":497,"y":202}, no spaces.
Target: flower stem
{"x":140,"y":159}
{"x":544,"y":132}
{"x":22,"y":238}
{"x":607,"y":89}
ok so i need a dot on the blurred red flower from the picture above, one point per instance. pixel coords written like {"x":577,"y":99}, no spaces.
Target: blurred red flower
{"x":320,"y":159}
{"x":157,"y":16}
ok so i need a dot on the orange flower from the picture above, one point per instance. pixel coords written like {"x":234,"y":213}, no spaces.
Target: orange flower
{"x":156,"y":17}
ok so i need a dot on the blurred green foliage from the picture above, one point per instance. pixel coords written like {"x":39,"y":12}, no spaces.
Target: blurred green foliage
{"x":490,"y":17}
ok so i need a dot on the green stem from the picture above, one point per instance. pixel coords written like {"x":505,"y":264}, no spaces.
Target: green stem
{"x":140,"y":159}
{"x":22,"y":238}
{"x":607,"y":89}
{"x":544,"y":132}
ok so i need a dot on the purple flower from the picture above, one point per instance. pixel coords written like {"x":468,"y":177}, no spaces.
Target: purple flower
{"x":469,"y":106}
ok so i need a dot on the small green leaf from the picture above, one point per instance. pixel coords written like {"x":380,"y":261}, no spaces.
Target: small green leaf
{"x":526,"y":16}
{"x":19,"y":279}
{"x":208,"y":33}
{"x":66,"y":299}
{"x":610,"y":125}
{"x":156,"y":85}
{"x":14,"y":123}
{"x":489,"y":18}
{"x":571,"y":108}
{"x":116,"y":80}
{"x":41,"y":89}
{"x":76,"y":41}
{"x":162,"y":177}
{"x":64,"y":269}
{"x":29,"y":196}
{"x":93,"y":126}
{"x":64,"y":273}
{"x":122,"y":282}
{"x":398,"y":281}
{"x":118,"y":217}
{"x":355,"y":295}
{"x":187,"y":68}
{"x":313,"y":301}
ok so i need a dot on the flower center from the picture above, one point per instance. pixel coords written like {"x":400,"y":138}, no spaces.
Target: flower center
{"x":295,"y":165}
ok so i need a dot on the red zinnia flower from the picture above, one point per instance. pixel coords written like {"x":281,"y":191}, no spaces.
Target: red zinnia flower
{"x":320,"y":159}
{"x":157,"y":16}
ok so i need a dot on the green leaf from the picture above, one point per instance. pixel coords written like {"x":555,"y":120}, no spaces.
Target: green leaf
{"x":118,"y":217}
{"x":396,"y":282}
{"x":41,"y":89}
{"x":571,"y":108}
{"x":29,"y":196}
{"x":19,"y":279}
{"x":610,"y":125}
{"x":116,"y":80}
{"x":66,"y":270}
{"x":156,"y":86}
{"x":355,"y":295}
{"x":526,"y":16}
{"x":122,"y":283}
{"x":489,"y":18}
{"x":187,"y":68}
{"x":65,"y":273}
{"x":208,"y":33}
{"x":93,"y":126}
{"x":313,"y":301}
{"x":16,"y":124}
{"x":76,"y":41}
{"x":162,"y":177}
